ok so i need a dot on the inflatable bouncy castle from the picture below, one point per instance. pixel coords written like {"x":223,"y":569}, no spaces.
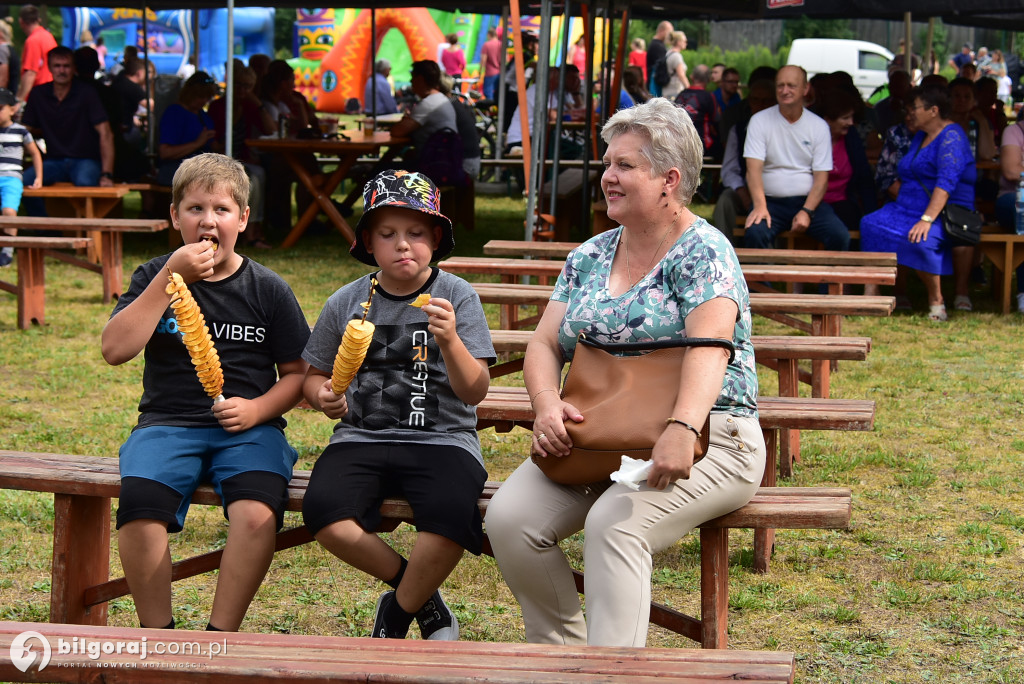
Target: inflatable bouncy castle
{"x":171,"y":34}
{"x":334,"y":46}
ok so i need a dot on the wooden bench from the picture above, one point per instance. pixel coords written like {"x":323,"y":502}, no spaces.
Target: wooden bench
{"x":805,"y":257}
{"x":31,"y":286}
{"x":266,"y":658}
{"x":757,"y":274}
{"x":1006,"y":252}
{"x":781,"y":353}
{"x":83,"y":487}
{"x":109,"y":232}
{"x":825,"y":311}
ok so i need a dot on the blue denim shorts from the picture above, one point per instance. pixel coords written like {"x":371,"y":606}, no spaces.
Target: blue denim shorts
{"x":166,"y":464}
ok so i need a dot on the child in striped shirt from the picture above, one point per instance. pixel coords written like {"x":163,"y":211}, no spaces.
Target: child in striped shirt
{"x":14,"y":140}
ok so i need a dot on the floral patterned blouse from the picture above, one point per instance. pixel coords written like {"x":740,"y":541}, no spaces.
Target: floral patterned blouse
{"x":700,"y":266}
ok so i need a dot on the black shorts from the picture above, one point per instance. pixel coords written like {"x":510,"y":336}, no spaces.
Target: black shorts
{"x":441,"y":483}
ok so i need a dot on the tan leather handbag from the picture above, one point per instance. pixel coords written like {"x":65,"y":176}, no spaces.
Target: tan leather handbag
{"x":625,"y":402}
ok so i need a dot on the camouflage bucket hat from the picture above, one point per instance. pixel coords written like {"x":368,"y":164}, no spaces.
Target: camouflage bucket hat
{"x":404,"y":190}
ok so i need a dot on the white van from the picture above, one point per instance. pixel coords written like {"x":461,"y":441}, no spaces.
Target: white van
{"x":868,"y":63}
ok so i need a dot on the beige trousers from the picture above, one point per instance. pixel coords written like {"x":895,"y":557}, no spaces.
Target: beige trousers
{"x":530,"y":515}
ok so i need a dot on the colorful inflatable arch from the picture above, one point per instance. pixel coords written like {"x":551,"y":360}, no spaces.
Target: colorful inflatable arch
{"x":333,"y":46}
{"x":346,"y":68}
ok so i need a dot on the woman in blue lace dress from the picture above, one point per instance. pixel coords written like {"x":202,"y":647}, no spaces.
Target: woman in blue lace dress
{"x":938,"y":168}
{"x":663,"y":274}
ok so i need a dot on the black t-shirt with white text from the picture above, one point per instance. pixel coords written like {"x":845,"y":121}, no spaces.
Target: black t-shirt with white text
{"x":255,"y":322}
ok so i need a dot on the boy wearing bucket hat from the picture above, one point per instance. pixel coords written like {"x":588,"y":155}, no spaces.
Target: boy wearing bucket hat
{"x":408,"y":420}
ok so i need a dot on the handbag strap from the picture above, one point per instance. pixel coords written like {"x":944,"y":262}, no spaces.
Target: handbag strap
{"x":613,"y":347}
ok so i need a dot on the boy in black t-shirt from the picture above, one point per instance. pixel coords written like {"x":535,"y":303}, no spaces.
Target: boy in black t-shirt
{"x":259,"y":332}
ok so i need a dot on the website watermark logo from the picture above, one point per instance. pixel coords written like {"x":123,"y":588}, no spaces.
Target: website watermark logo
{"x":23,"y":655}
{"x":25,"y":652}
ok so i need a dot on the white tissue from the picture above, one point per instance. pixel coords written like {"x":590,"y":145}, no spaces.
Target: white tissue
{"x":632,"y":472}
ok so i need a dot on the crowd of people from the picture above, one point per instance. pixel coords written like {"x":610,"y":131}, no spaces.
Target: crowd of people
{"x":795,"y":154}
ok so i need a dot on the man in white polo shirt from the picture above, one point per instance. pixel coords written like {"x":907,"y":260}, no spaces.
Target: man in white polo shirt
{"x":788,"y":152}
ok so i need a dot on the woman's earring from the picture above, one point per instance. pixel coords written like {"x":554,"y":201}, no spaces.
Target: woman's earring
{"x":663,"y":194}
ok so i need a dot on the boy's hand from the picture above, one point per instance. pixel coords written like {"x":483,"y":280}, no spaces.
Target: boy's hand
{"x":193,"y":261}
{"x":441,"y":320}
{"x":236,"y":414}
{"x":334,"y":406}
{"x":37,"y":183}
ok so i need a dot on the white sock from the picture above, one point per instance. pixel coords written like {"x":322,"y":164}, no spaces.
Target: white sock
{"x":9,"y":251}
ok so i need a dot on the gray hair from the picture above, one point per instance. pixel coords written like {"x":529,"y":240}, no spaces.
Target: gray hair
{"x":670,"y":141}
{"x":383,"y":66}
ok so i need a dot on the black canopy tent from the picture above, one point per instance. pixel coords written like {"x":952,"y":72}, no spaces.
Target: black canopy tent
{"x":1004,"y":14}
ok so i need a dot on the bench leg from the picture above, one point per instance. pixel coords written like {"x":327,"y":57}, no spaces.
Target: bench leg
{"x":789,"y":440}
{"x":31,"y":288}
{"x":764,"y":538}
{"x":81,"y":557}
{"x":110,"y":260}
{"x":714,"y":587}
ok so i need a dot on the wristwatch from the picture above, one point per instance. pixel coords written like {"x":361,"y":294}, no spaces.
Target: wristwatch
{"x":809,"y":212}
{"x":926,"y":218}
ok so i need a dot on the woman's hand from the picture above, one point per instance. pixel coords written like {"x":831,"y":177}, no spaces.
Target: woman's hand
{"x":550,"y":437}
{"x":672,"y":457}
{"x":919,"y":233}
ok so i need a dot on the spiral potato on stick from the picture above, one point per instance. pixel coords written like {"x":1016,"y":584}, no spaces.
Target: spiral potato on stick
{"x":352,"y":351}
{"x":197,"y":338}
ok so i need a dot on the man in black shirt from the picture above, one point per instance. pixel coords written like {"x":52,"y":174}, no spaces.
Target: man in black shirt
{"x":655,"y":51}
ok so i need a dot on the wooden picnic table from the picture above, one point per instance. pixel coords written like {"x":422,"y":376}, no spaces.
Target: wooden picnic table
{"x":31,"y":286}
{"x":92,"y":201}
{"x":346,"y":149}
{"x":109,"y":232}
{"x":1006,"y":252}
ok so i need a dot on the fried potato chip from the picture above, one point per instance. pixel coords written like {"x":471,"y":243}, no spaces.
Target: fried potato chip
{"x":421,"y":301}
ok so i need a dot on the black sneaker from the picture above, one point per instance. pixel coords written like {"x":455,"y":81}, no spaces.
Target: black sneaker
{"x":436,"y":620}
{"x":5,"y":258}
{"x":381,"y":628}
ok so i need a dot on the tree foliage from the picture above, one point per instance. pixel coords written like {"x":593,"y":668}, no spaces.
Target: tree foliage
{"x":805,"y":27}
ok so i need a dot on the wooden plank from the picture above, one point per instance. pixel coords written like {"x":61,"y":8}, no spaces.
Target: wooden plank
{"x":238,"y":657}
{"x":68,"y":191}
{"x":32,"y":242}
{"x":811,"y":257}
{"x":845,"y":305}
{"x":790,"y":273}
{"x":72,"y":223}
{"x":765,"y":346}
{"x":98,"y":476}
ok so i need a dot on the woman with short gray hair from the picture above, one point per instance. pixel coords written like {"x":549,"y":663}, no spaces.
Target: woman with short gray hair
{"x":663,"y":274}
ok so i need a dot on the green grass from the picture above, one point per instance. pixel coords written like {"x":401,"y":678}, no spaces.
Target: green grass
{"x":924,"y":586}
